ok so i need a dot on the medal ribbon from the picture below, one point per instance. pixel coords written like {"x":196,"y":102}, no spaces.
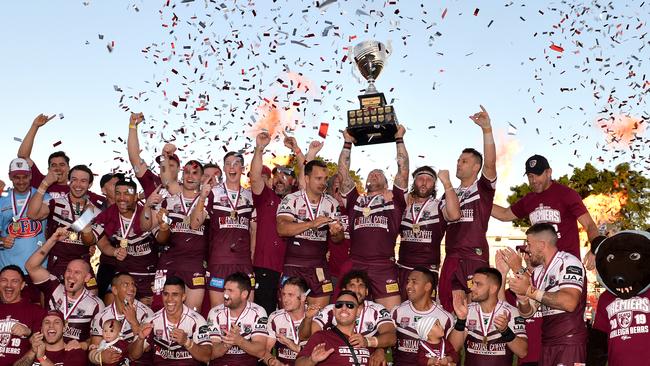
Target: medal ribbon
{"x":294,"y":334}
{"x":66,"y":312}
{"x":309,"y":207}
{"x":185,"y":211}
{"x":236,"y":320}
{"x":486,"y":329}
{"x":116,"y":317}
{"x":166,"y":322}
{"x":540,"y":279}
{"x":416,"y":218}
{"x":442,"y":348}
{"x":125,"y":231}
{"x":371,"y":200}
{"x":14,"y":205}
{"x":233,"y":206}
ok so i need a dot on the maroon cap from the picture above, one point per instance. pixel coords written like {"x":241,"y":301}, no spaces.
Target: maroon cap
{"x":56,"y":313}
{"x":173,"y":157}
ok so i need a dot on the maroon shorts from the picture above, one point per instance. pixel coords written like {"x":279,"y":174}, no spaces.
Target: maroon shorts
{"x":383,"y":278}
{"x":143,"y":284}
{"x":318,"y":279}
{"x":565,"y":354}
{"x":456,"y":274}
{"x":58,"y":270}
{"x":403,"y":273}
{"x":193,"y":280}
{"x":217,"y":274}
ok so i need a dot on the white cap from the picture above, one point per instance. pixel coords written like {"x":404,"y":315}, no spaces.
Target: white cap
{"x":424,"y":326}
{"x":19,"y":166}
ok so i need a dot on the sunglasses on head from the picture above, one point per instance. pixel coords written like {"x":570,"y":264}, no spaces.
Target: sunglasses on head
{"x":349,"y":304}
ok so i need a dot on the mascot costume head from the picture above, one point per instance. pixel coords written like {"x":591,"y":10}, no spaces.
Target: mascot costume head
{"x":623,"y":263}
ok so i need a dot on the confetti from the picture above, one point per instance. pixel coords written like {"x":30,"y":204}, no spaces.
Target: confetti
{"x":322,"y":130}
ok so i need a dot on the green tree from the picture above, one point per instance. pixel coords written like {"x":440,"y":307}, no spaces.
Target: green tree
{"x":589,"y":180}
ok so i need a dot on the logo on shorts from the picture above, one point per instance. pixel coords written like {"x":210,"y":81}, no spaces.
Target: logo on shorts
{"x":216,"y":282}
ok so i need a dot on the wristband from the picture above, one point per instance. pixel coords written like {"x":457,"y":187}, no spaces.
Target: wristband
{"x":399,"y":140}
{"x":372,"y":342}
{"x":347,"y":145}
{"x":508,"y":335}
{"x":132,"y":126}
{"x":460,"y":325}
{"x":41,"y":359}
{"x":41,"y":191}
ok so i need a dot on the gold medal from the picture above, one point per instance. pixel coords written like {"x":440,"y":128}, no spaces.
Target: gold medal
{"x":186,"y":220}
{"x":416,"y":228}
{"x":485,"y":340}
{"x":73,"y":236}
{"x":15,"y":226}
{"x":124,"y":243}
{"x":366,"y":211}
{"x":233,"y":214}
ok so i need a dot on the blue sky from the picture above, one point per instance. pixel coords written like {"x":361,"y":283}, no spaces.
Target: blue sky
{"x":54,"y":62}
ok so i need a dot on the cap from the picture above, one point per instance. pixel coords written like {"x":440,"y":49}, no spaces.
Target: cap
{"x":56,"y":313}
{"x":19,"y":166}
{"x":173,"y":157}
{"x":285,"y":170}
{"x":106,"y":177}
{"x":536,"y":164}
{"x":424,"y":326}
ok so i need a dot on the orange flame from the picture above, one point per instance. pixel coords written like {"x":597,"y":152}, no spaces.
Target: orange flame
{"x":620,"y":130}
{"x":278,"y":160}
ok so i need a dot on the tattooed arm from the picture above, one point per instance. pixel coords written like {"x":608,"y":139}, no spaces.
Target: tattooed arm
{"x":402,"y":177}
{"x":347,"y":184}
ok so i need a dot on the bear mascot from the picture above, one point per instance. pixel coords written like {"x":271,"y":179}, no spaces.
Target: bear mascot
{"x":620,"y":334}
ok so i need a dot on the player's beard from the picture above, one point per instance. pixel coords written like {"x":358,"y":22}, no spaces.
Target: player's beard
{"x":423,"y":192}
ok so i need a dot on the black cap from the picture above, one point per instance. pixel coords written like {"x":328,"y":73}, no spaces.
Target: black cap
{"x":536,"y":164}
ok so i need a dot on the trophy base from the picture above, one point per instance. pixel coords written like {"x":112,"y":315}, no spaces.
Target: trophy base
{"x":374,"y":123}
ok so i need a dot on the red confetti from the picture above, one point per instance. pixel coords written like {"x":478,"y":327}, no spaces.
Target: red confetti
{"x":322,"y":130}
{"x":476,"y":12}
{"x":444,"y":12}
{"x":556,"y":48}
{"x":56,"y":144}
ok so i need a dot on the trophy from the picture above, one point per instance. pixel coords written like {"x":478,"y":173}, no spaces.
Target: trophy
{"x":375,"y":122}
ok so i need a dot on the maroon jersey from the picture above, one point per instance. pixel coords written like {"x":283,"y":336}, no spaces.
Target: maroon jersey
{"x":187,"y":247}
{"x":142,"y":250}
{"x":121,"y":347}
{"x":23,"y":312}
{"x":558,"y":326}
{"x":230,"y":214}
{"x":270,"y":248}
{"x":375,"y":224}
{"x":625,"y":322}
{"x":75,"y":357}
{"x":77,"y":313}
{"x":341,"y":356}
{"x":558,"y":205}
{"x":422,"y":229}
{"x":64,"y":214}
{"x":307,"y":249}
{"x":57,"y":190}
{"x":340,"y":252}
{"x":466,"y":236}
{"x":429,"y":350}
{"x":406,"y":318}
{"x":149,"y":182}
{"x":483,"y":344}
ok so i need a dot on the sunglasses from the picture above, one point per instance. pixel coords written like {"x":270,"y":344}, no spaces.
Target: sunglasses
{"x":349,"y":304}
